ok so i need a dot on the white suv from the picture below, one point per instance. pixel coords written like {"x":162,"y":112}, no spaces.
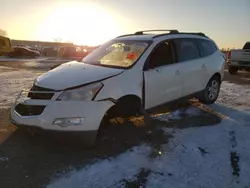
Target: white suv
{"x":128,"y":73}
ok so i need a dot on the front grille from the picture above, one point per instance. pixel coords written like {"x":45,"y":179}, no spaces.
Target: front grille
{"x":29,"y":110}
{"x":41,"y":96}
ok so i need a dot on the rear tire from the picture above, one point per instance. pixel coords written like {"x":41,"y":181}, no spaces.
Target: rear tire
{"x":211,"y":92}
{"x":233,"y":70}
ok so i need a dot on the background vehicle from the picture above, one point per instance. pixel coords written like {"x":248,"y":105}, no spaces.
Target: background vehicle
{"x":239,"y":59}
{"x":5,"y":45}
{"x":23,"y":52}
{"x":49,"y":51}
{"x":34,"y":48}
{"x":71,"y":52}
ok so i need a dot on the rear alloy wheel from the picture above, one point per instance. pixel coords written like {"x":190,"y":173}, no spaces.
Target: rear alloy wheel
{"x":233,"y":70}
{"x":211,"y":93}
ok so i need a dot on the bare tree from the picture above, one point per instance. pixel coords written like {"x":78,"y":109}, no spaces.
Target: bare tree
{"x":68,"y":41}
{"x":3,"y":32}
{"x":58,"y":39}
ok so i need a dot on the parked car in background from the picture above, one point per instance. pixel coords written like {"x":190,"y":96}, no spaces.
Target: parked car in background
{"x":5,"y":45}
{"x":34,"y":48}
{"x":71,"y":52}
{"x":23,"y":52}
{"x":239,"y":59}
{"x":123,"y":77}
{"x":49,"y":51}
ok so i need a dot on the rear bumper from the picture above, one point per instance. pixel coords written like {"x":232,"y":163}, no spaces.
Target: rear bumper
{"x":239,"y":64}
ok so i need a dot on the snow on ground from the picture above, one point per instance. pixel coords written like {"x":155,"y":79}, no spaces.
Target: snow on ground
{"x":178,"y":114}
{"x":39,"y":59}
{"x":209,"y":157}
{"x":236,"y":96}
{"x":40,"y":62}
{"x":204,"y":158}
{"x":7,"y":59}
{"x":4,"y":159}
{"x":110,"y":171}
{"x":12,"y":81}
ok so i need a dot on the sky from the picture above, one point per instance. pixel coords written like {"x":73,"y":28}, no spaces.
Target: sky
{"x":93,"y":22}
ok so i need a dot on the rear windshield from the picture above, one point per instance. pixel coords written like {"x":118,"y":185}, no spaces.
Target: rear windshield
{"x":117,"y":53}
{"x":247,"y":46}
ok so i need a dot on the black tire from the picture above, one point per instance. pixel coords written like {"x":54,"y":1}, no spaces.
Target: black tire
{"x":233,"y":70}
{"x":211,"y":92}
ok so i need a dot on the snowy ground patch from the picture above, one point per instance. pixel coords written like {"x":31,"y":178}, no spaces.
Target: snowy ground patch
{"x":39,"y":59}
{"x":12,"y":81}
{"x":4,"y":159}
{"x":206,"y":156}
{"x":109,"y":172}
{"x":196,"y":157}
{"x":235,"y":96}
{"x":178,"y":114}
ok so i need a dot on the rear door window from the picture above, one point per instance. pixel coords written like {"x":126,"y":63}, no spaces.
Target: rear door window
{"x":186,"y":49}
{"x":206,"y":47}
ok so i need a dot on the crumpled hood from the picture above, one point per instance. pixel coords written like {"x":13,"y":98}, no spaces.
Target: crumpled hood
{"x":74,"y":74}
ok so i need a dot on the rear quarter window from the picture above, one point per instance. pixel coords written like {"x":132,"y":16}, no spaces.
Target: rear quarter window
{"x":247,"y":46}
{"x":186,"y":49}
{"x":206,"y":47}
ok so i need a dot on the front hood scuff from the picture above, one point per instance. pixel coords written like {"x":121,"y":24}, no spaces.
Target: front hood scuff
{"x":73,"y":74}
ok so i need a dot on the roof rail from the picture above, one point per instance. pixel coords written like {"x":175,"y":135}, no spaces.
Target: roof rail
{"x":154,"y":30}
{"x":199,"y":33}
{"x":125,"y":35}
{"x":162,"y":34}
{"x":157,"y":30}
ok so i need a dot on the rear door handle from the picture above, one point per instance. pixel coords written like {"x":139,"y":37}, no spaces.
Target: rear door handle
{"x":158,"y":70}
{"x":204,"y":66}
{"x":178,"y":72}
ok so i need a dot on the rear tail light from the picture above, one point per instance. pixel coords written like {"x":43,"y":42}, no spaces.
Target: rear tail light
{"x":229,"y":55}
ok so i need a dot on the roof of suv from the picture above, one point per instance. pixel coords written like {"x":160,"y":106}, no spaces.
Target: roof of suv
{"x":143,"y":35}
{"x":138,"y":37}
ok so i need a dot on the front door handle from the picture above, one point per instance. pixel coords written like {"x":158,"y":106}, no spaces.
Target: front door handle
{"x":158,"y":70}
{"x":204,"y":66}
{"x":178,"y":72}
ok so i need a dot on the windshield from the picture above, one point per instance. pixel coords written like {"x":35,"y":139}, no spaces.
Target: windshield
{"x":117,"y":53}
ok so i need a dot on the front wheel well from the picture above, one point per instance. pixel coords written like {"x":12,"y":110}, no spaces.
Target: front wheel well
{"x":129,"y":99}
{"x":125,"y":106}
{"x":216,"y":75}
